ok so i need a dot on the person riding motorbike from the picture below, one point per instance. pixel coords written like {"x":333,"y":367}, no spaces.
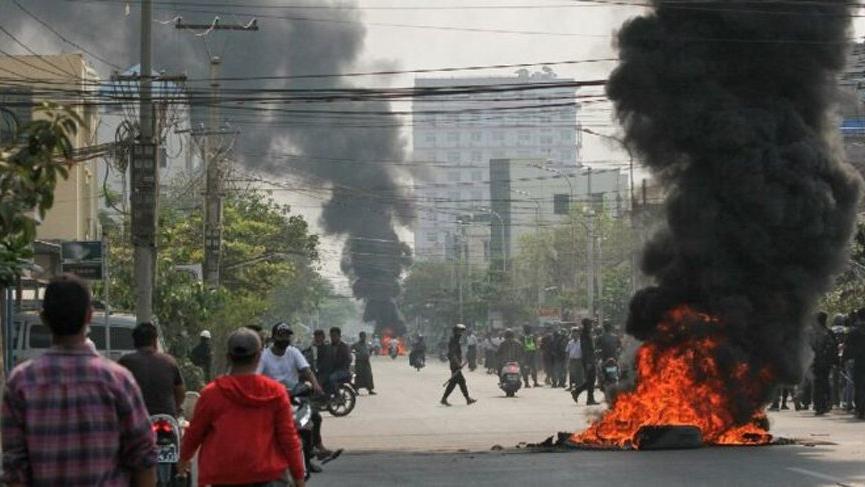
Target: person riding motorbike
{"x":155,"y":372}
{"x":285,"y":364}
{"x":418,"y":352}
{"x":509,"y":351}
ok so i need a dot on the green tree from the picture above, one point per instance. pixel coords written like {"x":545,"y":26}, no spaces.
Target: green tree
{"x":31,"y":164}
{"x":266,"y":249}
{"x":849,"y":291}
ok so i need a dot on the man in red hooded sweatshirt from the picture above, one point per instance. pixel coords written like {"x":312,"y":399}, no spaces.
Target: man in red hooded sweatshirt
{"x":244,"y":425}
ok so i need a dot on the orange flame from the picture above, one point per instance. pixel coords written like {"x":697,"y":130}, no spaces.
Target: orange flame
{"x":402,"y":348}
{"x":679,"y":382}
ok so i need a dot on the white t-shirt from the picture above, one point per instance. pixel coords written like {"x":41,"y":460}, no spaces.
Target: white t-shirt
{"x":283,"y":368}
{"x":575,"y":349}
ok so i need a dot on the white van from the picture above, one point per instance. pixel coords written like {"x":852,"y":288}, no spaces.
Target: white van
{"x":30,"y":337}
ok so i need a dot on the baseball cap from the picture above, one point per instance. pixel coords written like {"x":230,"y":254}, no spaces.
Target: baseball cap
{"x":205,"y":334}
{"x":243,"y":343}
{"x":282,"y":329}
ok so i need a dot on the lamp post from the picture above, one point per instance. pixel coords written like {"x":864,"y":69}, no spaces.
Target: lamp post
{"x":501,"y":230}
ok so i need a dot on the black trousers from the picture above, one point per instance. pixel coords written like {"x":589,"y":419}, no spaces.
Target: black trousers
{"x":316,"y":428}
{"x":472,"y":356}
{"x":457,"y":380}
{"x":859,"y":391}
{"x":822,"y":391}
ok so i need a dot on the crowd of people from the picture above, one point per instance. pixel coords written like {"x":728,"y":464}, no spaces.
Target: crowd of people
{"x":565,"y":355}
{"x":835,"y":377}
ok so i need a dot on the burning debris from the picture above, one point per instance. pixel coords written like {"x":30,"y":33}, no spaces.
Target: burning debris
{"x":728,"y":103}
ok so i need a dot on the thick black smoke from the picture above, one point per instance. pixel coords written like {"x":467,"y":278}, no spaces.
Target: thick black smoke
{"x":729,"y":105}
{"x":350,"y":155}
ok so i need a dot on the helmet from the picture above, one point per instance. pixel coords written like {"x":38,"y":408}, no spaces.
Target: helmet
{"x":205,"y":334}
{"x":460,"y":326}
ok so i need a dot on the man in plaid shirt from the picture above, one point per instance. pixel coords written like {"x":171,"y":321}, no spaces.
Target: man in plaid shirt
{"x":71,"y":417}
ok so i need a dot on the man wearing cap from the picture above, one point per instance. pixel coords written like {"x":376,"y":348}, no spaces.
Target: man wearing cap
{"x":202,"y":356}
{"x":243,"y":425}
{"x":455,"y":357}
{"x":285,"y":364}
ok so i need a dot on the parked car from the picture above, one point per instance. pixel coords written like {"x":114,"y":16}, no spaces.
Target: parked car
{"x":30,"y":337}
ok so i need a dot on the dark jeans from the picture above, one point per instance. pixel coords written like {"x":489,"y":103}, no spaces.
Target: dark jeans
{"x":334,"y":379}
{"x":316,"y":428}
{"x":456,"y":379}
{"x":822,"y":392}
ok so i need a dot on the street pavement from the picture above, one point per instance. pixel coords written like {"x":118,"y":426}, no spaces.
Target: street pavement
{"x":404,"y":437}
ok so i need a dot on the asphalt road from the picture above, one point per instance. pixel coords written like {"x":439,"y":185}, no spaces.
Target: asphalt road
{"x":403,"y":437}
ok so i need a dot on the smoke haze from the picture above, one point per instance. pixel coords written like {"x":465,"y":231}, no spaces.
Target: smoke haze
{"x":349,"y":157}
{"x":729,"y":105}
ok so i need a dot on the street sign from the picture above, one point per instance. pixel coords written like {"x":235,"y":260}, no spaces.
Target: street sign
{"x":85,"y":259}
{"x":143,"y":195}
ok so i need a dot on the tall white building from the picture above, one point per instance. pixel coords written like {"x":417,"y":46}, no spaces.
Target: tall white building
{"x":456,"y":134}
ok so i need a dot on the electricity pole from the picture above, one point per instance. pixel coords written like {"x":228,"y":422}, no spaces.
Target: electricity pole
{"x":590,"y":250}
{"x":213,"y":192}
{"x":144,"y":180}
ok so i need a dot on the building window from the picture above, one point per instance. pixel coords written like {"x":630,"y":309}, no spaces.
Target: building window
{"x":476,"y":156}
{"x":454,"y":176}
{"x":498,"y":136}
{"x":454,"y":157}
{"x":453,"y":197}
{"x":430,"y":139}
{"x":477,"y":176}
{"x":546,"y":140}
{"x":476,"y":136}
{"x":561,"y":204}
{"x":432,"y":237}
{"x":477,"y":197}
{"x":453,"y":136}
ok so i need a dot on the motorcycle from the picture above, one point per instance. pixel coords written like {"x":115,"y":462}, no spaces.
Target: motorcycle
{"x":417,"y":360}
{"x":393,"y":349}
{"x":610,"y":375}
{"x":510,"y":380}
{"x":302,"y":408}
{"x":167,"y":431}
{"x":341,"y":401}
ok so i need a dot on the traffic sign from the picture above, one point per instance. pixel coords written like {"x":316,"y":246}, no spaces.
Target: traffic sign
{"x":85,"y":259}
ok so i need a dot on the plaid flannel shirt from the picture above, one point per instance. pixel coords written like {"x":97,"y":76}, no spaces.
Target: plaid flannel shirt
{"x":74,"y":418}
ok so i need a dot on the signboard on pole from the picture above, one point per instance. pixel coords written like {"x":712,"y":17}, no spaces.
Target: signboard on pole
{"x":143,"y":198}
{"x":85,"y":259}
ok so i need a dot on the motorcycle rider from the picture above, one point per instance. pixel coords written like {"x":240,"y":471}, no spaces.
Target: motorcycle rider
{"x":202,"y":356}
{"x":509,"y":351}
{"x":284,"y":363}
{"x":455,"y":357}
{"x":341,"y":371}
{"x":418,"y":351}
{"x":156,"y":373}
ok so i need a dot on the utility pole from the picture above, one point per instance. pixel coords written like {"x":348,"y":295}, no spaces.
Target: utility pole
{"x":590,"y":251}
{"x":213,"y":192}
{"x":144,"y":175}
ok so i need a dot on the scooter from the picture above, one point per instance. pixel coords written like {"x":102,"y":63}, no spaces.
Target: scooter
{"x":167,"y":431}
{"x":510,"y":380}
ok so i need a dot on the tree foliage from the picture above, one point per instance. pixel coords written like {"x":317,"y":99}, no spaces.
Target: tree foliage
{"x":31,"y":164}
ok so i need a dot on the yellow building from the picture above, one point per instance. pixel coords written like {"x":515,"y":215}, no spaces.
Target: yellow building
{"x":59,"y":78}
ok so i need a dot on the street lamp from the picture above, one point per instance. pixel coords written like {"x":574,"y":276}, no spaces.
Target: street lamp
{"x":501,"y":230}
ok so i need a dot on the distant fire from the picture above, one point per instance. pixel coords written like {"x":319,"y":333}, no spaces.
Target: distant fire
{"x":680,"y":383}
{"x":385,"y":345}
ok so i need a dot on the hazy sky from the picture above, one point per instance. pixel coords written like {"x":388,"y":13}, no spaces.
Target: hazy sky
{"x":543,"y":30}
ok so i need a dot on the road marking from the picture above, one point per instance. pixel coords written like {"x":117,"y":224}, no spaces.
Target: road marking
{"x":818,"y":475}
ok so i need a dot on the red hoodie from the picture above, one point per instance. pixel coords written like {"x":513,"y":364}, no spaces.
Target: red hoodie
{"x":244,"y":425}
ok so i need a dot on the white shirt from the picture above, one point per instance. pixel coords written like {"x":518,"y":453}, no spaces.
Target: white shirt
{"x":575,"y":349}
{"x":283,"y":368}
{"x":472,"y":341}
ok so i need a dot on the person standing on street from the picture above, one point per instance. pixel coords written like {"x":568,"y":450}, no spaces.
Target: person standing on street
{"x":155,"y":372}
{"x":590,"y":365}
{"x":560,"y":358}
{"x":71,"y":417}
{"x":472,"y":350}
{"x":243,"y":425}
{"x":575,"y":361}
{"x":455,"y":358}
{"x":825,"y":357}
{"x":547,"y":349}
{"x":202,"y":356}
{"x":530,"y":356}
{"x":362,"y":366}
{"x":854,"y":350}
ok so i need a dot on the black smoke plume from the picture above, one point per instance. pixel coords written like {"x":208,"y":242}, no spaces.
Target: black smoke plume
{"x":729,"y":105}
{"x":350,"y":157}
